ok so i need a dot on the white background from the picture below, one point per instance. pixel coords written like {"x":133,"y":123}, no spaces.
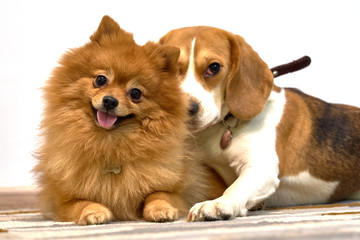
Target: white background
{"x":34,"y":34}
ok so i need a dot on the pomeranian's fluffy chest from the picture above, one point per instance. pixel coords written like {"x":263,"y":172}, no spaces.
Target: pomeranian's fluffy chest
{"x":123,"y":187}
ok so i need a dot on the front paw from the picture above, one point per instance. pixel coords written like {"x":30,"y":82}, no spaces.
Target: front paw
{"x":95,"y":213}
{"x":160,"y":211}
{"x":218,"y":209}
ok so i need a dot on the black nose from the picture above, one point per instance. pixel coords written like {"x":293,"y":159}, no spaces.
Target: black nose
{"x":110,"y":102}
{"x":194,"y":108}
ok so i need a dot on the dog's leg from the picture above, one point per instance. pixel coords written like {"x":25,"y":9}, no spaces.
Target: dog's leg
{"x":254,"y":184}
{"x":164,"y":207}
{"x":83,"y":212}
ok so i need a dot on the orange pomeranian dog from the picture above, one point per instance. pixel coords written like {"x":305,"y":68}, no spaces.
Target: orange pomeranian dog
{"x":115,"y":135}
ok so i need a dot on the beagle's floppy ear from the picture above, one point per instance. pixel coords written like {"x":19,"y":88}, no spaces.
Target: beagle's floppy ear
{"x":250,"y":82}
{"x":108,"y":29}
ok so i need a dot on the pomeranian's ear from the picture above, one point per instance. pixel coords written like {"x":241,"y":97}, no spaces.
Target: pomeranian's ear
{"x":107,"y":28}
{"x":163,"y":56}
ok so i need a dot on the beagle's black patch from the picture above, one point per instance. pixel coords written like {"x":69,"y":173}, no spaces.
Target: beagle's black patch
{"x":335,"y":126}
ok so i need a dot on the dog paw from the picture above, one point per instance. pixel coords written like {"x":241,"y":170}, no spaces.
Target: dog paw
{"x":214,"y":210}
{"x":160,"y":211}
{"x":95,"y":214}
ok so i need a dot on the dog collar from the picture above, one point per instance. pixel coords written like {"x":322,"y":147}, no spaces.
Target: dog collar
{"x":115,"y":170}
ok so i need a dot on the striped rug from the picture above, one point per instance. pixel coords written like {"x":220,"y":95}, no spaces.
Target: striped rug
{"x":333,"y":221}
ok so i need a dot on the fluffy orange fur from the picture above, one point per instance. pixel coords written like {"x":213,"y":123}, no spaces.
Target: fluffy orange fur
{"x":141,"y":167}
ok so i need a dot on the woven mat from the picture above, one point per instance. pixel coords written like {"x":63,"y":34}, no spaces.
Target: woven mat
{"x":334,"y":221}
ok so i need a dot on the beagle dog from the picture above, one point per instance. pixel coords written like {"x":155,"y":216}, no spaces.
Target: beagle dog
{"x":268,"y":143}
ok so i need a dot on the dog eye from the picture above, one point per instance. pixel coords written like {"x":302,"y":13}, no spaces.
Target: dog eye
{"x":100,"y":81}
{"x":212,"y":69}
{"x":135,"y":95}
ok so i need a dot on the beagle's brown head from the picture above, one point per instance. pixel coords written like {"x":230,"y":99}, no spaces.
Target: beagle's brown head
{"x":221,"y":73}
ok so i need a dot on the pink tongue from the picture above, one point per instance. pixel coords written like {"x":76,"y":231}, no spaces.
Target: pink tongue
{"x":106,"y":120}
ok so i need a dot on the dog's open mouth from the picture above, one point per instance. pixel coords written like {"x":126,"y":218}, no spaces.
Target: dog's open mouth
{"x":108,"y":120}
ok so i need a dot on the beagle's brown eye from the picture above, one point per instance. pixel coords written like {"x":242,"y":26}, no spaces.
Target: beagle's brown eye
{"x":212,"y":70}
{"x":135,"y":95}
{"x":100,"y":81}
